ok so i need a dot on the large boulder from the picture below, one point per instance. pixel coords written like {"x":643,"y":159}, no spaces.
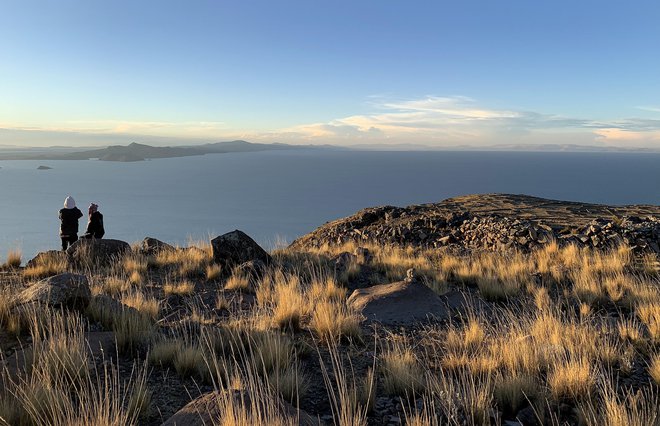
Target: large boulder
{"x":207,"y":410}
{"x":402,"y":302}
{"x":67,"y":289}
{"x":235,"y":248}
{"x":151,"y":246}
{"x":96,"y":252}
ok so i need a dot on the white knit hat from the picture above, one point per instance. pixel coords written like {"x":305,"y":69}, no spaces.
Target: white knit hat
{"x":69,"y":202}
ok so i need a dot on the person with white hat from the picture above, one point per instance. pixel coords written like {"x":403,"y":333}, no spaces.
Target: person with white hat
{"x":69,"y":216}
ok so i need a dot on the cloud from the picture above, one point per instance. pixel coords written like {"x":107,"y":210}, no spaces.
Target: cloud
{"x":649,"y":108}
{"x":431,"y":120}
{"x":459,"y":120}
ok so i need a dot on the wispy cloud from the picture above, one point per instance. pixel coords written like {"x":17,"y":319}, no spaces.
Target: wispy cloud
{"x":460,"y":120}
{"x":431,"y":120}
{"x":649,"y":108}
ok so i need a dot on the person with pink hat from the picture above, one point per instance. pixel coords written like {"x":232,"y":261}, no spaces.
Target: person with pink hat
{"x":95,"y":223}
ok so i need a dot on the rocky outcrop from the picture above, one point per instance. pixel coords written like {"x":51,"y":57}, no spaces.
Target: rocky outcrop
{"x":151,"y":246}
{"x":71,"y":290}
{"x":99,"y":252}
{"x":207,"y":410}
{"x":235,"y":248}
{"x":402,"y":302}
{"x":495,"y":222}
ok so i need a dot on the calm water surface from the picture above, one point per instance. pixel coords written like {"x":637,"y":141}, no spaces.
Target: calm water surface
{"x":275,"y":196}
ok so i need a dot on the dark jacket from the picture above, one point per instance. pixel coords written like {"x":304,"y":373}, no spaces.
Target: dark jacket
{"x":95,"y":226}
{"x":69,"y":219}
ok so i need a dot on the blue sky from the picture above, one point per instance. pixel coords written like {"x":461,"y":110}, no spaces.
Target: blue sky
{"x":345,"y":72}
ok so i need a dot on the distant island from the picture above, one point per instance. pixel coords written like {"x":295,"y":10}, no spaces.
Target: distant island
{"x":44,"y":168}
{"x":142,"y":152}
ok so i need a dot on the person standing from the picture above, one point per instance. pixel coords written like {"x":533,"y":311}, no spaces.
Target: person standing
{"x":95,"y":223}
{"x":69,"y":216}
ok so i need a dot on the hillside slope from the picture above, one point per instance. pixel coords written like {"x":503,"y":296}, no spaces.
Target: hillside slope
{"x":495,"y":221}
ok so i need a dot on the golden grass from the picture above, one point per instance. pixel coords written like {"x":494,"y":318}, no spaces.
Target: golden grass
{"x":649,"y":313}
{"x":515,"y":392}
{"x":290,"y":303}
{"x":238,"y":282}
{"x":654,"y":368}
{"x":213,"y":272}
{"x":163,"y":352}
{"x":133,"y":330}
{"x":184,"y":262}
{"x":49,"y":264}
{"x":115,"y":285}
{"x":14,"y":259}
{"x":625,"y":408}
{"x":402,"y":373}
{"x":132,"y":263}
{"x":571,"y":379}
{"x":145,"y":305}
{"x":552,"y":347}
{"x":181,"y":288}
{"x":334,"y":320}
{"x":189,"y":360}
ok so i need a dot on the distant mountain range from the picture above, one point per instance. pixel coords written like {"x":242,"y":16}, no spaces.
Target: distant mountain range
{"x":141,"y":152}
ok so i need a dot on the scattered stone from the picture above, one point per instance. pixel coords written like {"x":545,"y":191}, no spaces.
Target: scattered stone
{"x":206,"y":410}
{"x":401,"y":302}
{"x":363,"y":255}
{"x":71,"y":290}
{"x":235,"y":248}
{"x":495,"y":222}
{"x":99,"y":252}
{"x":528,"y":417}
{"x":151,"y":246}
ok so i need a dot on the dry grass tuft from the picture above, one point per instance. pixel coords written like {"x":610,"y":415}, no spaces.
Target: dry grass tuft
{"x":649,"y":313}
{"x":571,"y":379}
{"x":133,"y":330}
{"x":213,"y":272}
{"x":654,"y":368}
{"x":402,"y":373}
{"x":49,"y":264}
{"x":332,"y":321}
{"x":181,"y":288}
{"x":145,"y":305}
{"x":13,"y":259}
{"x":238,"y":282}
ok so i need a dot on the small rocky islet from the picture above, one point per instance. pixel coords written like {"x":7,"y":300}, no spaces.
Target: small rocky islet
{"x":391,"y":316}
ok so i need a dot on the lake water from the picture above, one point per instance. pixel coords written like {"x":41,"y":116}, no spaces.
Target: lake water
{"x":277,"y":196}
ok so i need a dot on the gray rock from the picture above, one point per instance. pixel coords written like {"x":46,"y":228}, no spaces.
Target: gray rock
{"x":151,"y":246}
{"x":96,"y":252}
{"x":402,"y":302}
{"x":237,"y":247}
{"x":527,"y":417}
{"x":207,"y":410}
{"x":67,"y":289}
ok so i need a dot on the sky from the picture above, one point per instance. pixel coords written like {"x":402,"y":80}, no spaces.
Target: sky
{"x":440,"y":73}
